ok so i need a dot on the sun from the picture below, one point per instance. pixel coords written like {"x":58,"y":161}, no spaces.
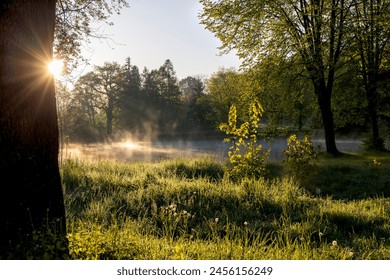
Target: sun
{"x":128,"y":144}
{"x":56,"y":67}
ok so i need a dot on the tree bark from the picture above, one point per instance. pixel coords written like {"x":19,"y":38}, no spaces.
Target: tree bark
{"x":324,"y":102}
{"x":32,"y":213}
{"x":372,"y":97}
{"x":109,"y":114}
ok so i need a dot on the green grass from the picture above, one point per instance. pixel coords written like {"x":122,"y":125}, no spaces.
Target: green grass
{"x":355,"y":176}
{"x":188,"y":209}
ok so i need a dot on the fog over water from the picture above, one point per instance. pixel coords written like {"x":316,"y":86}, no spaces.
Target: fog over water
{"x":145,"y":151}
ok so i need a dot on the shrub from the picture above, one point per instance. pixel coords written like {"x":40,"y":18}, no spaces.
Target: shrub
{"x":373,"y":144}
{"x":300,"y":158}
{"x":247,"y":159}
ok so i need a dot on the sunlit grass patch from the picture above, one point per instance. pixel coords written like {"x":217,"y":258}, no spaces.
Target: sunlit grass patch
{"x":188,"y":209}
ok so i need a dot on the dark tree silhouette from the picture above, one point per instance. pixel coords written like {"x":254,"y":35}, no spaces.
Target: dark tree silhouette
{"x":32,"y":206}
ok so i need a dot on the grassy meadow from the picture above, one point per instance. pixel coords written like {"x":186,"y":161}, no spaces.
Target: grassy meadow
{"x":190,"y":209}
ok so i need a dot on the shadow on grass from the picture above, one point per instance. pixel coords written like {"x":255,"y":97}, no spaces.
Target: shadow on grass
{"x":355,"y":176}
{"x":348,"y":226}
{"x":350,"y":176}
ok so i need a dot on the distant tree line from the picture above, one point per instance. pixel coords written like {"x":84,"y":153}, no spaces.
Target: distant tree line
{"x":114,"y":99}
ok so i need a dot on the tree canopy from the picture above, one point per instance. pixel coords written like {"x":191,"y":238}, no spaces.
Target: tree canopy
{"x":77,"y":22}
{"x":311,"y":32}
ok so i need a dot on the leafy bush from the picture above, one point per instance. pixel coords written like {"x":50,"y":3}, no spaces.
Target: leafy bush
{"x":246,"y":156}
{"x":300,"y":157}
{"x":373,"y":144}
{"x":46,"y":243}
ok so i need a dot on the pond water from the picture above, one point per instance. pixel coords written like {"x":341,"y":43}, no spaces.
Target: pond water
{"x":138,"y":151}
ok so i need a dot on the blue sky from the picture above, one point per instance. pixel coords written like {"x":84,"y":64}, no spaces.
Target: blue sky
{"x":151,"y":31}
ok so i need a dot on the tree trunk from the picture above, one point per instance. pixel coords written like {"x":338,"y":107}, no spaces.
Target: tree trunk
{"x":109,"y":115}
{"x":32,"y":215}
{"x":324,"y":102}
{"x":376,"y":143}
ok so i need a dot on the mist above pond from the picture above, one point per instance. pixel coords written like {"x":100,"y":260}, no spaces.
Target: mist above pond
{"x":129,"y":150}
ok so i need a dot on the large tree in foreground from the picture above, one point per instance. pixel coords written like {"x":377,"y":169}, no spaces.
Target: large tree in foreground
{"x":32,"y":215}
{"x":309,"y":31}
{"x":31,"y":193}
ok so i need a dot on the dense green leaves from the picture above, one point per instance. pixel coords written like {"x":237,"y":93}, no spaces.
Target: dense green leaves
{"x":247,"y":159}
{"x":299,"y":162}
{"x":370,"y":49}
{"x":224,"y":88}
{"x":311,"y":31}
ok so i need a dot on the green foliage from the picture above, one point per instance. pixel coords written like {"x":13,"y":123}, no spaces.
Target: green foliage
{"x":44,"y":244}
{"x":373,"y":144}
{"x":286,"y":96}
{"x":259,"y":29}
{"x":48,"y":246}
{"x":246,"y":156}
{"x":300,"y":157}
{"x":348,"y":101}
{"x":91,"y":241}
{"x":224,"y":88}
